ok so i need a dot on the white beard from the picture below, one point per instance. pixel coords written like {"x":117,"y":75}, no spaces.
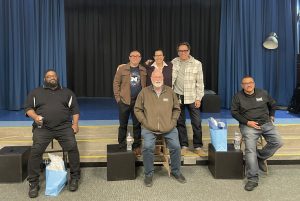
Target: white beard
{"x":157,"y":84}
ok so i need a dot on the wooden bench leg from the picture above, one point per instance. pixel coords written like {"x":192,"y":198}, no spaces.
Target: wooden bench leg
{"x":166,"y":157}
{"x":163,"y":155}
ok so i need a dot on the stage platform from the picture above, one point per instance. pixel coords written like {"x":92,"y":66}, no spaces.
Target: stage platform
{"x":99,"y":127}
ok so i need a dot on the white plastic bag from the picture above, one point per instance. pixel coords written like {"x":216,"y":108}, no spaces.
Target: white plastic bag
{"x":56,"y":163}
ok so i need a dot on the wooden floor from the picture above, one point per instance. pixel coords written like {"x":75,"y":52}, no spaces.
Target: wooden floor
{"x":92,"y":141}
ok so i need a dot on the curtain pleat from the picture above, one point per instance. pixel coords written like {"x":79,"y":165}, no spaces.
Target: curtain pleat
{"x":244,"y":27}
{"x":32,"y":39}
{"x":100,"y":35}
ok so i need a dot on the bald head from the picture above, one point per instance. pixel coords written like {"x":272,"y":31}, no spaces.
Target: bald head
{"x":156,"y":72}
{"x":157,"y":78}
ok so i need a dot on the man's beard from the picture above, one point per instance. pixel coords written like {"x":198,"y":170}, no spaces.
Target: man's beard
{"x":157,"y":84}
{"x":51,"y":85}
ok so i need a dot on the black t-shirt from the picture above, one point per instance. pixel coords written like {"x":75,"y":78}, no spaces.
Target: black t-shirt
{"x":135,"y":82}
{"x":56,"y":106}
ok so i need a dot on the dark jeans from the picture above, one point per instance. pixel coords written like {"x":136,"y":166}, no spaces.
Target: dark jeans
{"x":124,"y":113}
{"x":41,"y":139}
{"x":196,"y":125}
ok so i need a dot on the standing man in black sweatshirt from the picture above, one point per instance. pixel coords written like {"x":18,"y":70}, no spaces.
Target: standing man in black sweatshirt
{"x":255,"y":110}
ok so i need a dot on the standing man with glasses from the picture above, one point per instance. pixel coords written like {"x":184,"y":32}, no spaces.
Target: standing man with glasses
{"x":128,"y":82}
{"x":187,"y":82}
{"x":255,"y":109}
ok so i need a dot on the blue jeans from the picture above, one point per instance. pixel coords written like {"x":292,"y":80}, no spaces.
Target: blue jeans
{"x":251,"y":135}
{"x":149,"y":146}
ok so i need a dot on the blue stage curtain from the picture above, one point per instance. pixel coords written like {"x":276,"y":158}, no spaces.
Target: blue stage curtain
{"x":244,"y":26}
{"x":32,"y":39}
{"x":297,"y":19}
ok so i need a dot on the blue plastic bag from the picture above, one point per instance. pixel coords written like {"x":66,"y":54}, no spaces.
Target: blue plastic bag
{"x":55,"y":181}
{"x":56,"y":175}
{"x":219,"y":139}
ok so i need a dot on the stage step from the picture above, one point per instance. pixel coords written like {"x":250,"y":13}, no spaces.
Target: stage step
{"x":92,"y":140}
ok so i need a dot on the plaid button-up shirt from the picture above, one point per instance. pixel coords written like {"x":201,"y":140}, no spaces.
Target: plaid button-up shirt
{"x":193,"y":79}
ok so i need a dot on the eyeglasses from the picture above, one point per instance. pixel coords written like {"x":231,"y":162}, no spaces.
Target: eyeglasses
{"x":247,"y":83}
{"x":181,"y":51}
{"x":159,"y":55}
{"x":135,"y":56}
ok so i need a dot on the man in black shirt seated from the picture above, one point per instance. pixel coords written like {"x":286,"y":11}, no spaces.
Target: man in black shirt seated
{"x":55,"y":113}
{"x":255,"y":110}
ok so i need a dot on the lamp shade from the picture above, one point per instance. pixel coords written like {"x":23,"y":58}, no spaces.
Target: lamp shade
{"x":271,"y":41}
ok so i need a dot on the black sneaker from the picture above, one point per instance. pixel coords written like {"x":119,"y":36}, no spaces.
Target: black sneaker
{"x":262,"y":164}
{"x":250,"y":185}
{"x":148,"y":181}
{"x":33,"y":190}
{"x":180,"y":178}
{"x":73,"y":185}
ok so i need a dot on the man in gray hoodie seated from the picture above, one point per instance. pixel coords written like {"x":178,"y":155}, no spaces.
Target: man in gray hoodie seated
{"x":157,"y":109}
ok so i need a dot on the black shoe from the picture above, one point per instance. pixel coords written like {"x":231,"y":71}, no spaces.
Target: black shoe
{"x":180,"y":178}
{"x":148,"y":181}
{"x":250,"y":185}
{"x":33,"y":190}
{"x":73,"y":185}
{"x":262,"y":164}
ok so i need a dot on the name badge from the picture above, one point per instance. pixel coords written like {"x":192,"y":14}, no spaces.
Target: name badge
{"x":165,"y":99}
{"x":259,"y":99}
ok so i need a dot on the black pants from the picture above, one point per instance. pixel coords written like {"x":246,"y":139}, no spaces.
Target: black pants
{"x":196,"y":125}
{"x":41,"y":139}
{"x":124,"y":112}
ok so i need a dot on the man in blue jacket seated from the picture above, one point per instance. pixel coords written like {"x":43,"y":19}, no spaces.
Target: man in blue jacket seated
{"x":255,"y":110}
{"x":157,"y":109}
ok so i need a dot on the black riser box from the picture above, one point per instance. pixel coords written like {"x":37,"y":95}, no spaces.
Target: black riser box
{"x":13,"y":163}
{"x":120,"y":163}
{"x":226,"y":164}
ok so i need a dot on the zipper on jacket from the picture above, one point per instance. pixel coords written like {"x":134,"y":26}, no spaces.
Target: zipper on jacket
{"x":158,"y":123}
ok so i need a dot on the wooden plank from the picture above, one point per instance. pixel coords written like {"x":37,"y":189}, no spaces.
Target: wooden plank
{"x":92,"y":140}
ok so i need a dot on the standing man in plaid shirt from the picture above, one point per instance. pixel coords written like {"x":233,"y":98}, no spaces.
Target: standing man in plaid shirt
{"x":187,"y":82}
